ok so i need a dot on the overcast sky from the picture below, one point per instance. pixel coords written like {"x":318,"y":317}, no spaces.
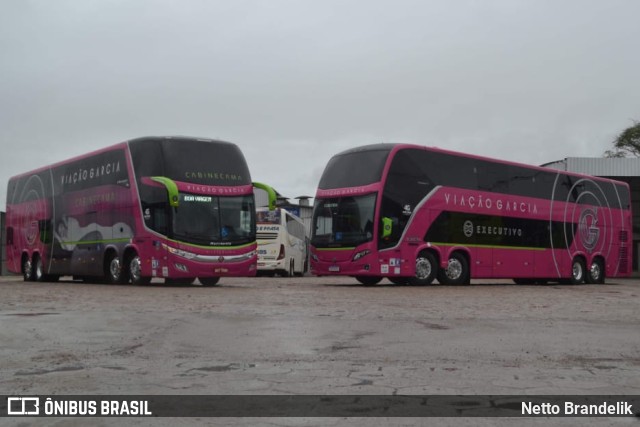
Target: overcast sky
{"x":294,"y":82}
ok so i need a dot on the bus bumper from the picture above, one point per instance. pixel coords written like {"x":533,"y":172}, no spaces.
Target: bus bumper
{"x":264,"y":265}
{"x":359,"y":262}
{"x":177,"y":265}
{"x":327,"y":265}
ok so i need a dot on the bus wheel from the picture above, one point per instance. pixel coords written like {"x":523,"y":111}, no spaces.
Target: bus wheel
{"x":426,"y":269}
{"x":292,"y":268}
{"x":209,"y":281}
{"x":38,"y":269}
{"x":595,"y":275}
{"x":135,"y":271}
{"x":27,"y":269}
{"x":368,"y":280}
{"x":113,"y":269}
{"x":577,"y":271}
{"x":457,"y":271}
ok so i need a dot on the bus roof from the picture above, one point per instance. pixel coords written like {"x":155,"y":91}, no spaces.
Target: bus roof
{"x":120,"y":145}
{"x":394,"y":147}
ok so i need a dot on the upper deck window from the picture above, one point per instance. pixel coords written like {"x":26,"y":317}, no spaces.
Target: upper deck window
{"x":354,"y":169}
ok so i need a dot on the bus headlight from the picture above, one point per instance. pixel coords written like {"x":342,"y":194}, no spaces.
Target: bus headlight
{"x":180,"y":252}
{"x":361,"y":254}
{"x":315,"y":257}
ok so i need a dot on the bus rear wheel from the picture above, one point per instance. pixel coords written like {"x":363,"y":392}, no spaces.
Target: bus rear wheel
{"x":595,"y":274}
{"x":27,"y":269}
{"x":426,"y":269}
{"x":134,"y":267}
{"x":577,"y":271}
{"x":456,"y":272}
{"x":289,"y":272}
{"x":38,"y":270}
{"x":113,"y":273}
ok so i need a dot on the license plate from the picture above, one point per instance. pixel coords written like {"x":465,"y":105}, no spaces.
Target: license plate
{"x":334,"y":268}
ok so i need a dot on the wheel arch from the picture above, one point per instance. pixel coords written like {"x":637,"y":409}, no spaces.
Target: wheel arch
{"x":434,"y":250}
{"x":466,"y":252}
{"x":129,"y":251}
{"x":108,"y":251}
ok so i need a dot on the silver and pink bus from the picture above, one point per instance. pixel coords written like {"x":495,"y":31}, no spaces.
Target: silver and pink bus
{"x":414,"y":214}
{"x":175,"y":208}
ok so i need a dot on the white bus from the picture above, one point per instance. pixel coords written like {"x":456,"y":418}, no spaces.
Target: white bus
{"x":282,"y":243}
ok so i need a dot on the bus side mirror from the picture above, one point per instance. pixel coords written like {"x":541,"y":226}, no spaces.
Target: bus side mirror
{"x":387,"y":227}
{"x":271,"y":194}
{"x":171,"y":186}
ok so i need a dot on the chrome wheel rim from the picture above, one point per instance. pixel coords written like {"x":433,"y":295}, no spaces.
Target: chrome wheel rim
{"x":595,"y":271}
{"x":454,"y":269}
{"x":577,"y":271}
{"x":134,"y":268}
{"x":423,"y":268}
{"x":114,"y":269}
{"x":27,"y":269}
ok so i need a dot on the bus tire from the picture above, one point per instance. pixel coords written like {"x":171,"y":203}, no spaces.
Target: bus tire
{"x":113,"y":273}
{"x":457,"y":271}
{"x":369,"y":280}
{"x":134,"y":270}
{"x":578,"y":271}
{"x":38,"y":269}
{"x":27,"y":269}
{"x":209,"y":281}
{"x":426,"y":269}
{"x":595,"y":274}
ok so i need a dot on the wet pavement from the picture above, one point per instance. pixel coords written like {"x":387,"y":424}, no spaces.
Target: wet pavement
{"x":319,"y":336}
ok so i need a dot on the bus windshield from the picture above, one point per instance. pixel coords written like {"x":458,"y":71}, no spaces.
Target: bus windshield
{"x":231,"y":220}
{"x":355,"y":168}
{"x":343,"y":221}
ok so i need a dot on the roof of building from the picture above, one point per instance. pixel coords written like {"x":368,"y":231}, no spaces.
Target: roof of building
{"x":598,"y":166}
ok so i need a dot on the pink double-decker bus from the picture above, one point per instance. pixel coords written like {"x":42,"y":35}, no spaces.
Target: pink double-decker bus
{"x":414,"y":214}
{"x":176,"y":208}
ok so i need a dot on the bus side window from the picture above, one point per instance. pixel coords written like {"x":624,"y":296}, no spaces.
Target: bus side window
{"x":295,"y":228}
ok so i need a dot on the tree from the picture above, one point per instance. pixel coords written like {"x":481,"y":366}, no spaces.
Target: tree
{"x":627,"y":143}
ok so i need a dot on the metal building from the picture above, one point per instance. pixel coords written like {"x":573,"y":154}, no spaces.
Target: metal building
{"x":621,"y":169}
{"x":3,"y":249}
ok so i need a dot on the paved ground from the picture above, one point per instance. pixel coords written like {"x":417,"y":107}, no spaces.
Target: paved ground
{"x":319,"y":336}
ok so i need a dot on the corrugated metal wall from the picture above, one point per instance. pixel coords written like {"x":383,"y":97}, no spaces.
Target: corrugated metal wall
{"x":3,"y":252}
{"x":599,"y":166}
